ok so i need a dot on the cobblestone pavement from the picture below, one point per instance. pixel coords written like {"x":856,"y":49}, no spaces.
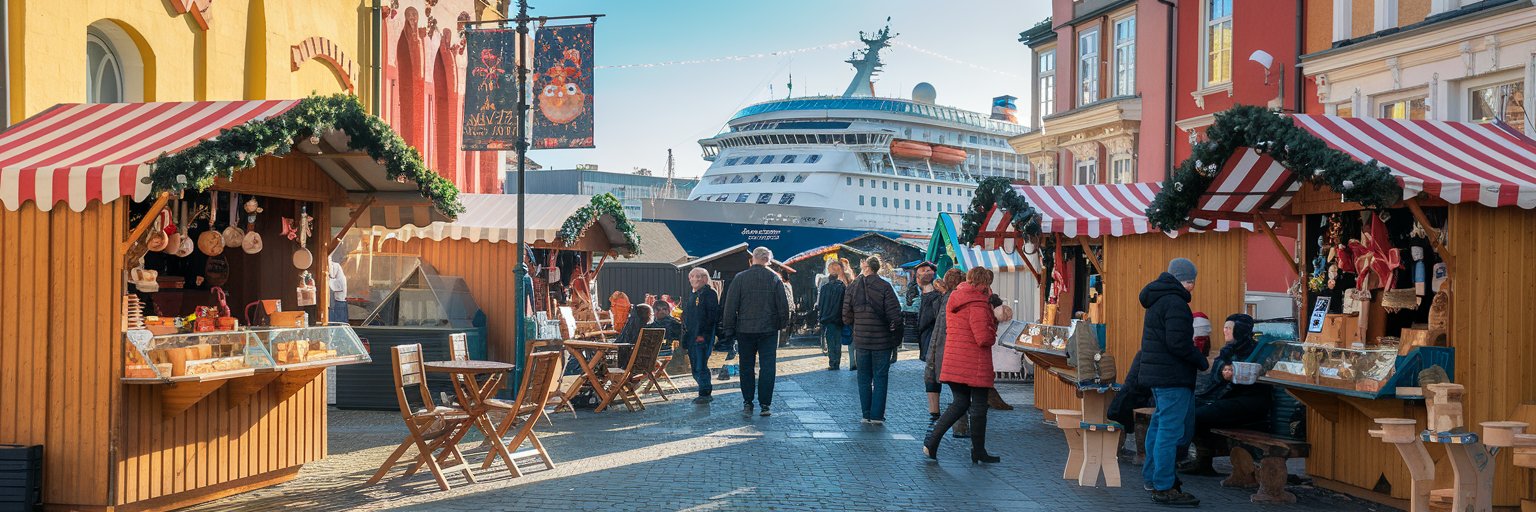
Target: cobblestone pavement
{"x":812,"y":454}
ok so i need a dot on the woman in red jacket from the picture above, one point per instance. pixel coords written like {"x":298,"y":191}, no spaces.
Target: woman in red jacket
{"x":970,"y":331}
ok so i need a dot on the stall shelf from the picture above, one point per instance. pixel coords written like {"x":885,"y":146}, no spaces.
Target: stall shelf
{"x":174,"y":440}
{"x":1466,"y":205}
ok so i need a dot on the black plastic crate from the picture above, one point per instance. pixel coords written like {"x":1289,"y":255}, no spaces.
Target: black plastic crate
{"x":21,"y":477}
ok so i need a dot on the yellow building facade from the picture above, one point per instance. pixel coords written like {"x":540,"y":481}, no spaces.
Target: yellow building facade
{"x":183,"y":50}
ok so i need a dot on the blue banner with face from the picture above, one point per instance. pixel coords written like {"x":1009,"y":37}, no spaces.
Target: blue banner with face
{"x":562,"y":87}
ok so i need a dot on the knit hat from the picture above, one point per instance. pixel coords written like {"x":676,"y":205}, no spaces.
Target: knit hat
{"x":1202,"y":324}
{"x":1182,"y":269}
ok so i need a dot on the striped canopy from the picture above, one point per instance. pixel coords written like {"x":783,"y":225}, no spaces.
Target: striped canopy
{"x":1492,"y":164}
{"x":1084,"y":210}
{"x":493,"y":218}
{"x":78,"y":153}
{"x":946,"y":240}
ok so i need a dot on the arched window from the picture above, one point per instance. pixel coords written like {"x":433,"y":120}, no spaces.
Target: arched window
{"x":104,"y":71}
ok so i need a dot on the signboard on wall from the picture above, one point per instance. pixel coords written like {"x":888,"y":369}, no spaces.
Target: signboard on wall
{"x":562,"y":87}
{"x":490,"y":94}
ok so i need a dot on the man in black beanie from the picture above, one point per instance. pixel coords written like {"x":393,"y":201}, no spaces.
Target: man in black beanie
{"x":1168,"y":363}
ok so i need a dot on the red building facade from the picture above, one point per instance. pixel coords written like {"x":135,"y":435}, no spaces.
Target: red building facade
{"x":1226,"y":57}
{"x":422,"y":44}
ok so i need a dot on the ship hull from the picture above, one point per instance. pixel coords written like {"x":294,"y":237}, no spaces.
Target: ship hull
{"x":704,"y":227}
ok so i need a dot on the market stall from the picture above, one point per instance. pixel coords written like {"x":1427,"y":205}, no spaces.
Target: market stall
{"x":1097,"y":251}
{"x":1016,"y":280}
{"x":128,"y":342}
{"x":1414,"y":239}
{"x":405,"y":302}
{"x":577,"y":233}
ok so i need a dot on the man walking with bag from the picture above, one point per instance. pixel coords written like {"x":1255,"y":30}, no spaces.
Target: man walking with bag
{"x":756,"y":309}
{"x":1168,"y":363}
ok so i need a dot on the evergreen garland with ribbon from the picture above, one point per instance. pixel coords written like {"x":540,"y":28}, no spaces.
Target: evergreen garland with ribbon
{"x":999,"y":192}
{"x":1274,"y":134}
{"x":602,"y":204}
{"x":237,"y":147}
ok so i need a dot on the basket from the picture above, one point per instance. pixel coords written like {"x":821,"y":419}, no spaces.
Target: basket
{"x":1245,"y":373}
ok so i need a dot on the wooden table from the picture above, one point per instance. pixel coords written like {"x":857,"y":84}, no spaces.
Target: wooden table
{"x":599,"y":349}
{"x":473,"y":393}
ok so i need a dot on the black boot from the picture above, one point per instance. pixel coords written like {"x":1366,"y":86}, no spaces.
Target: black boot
{"x":979,"y":439}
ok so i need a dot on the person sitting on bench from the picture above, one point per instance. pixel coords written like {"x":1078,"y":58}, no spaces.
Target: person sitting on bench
{"x":1221,"y":403}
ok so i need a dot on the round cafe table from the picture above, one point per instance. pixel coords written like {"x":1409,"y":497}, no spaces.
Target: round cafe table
{"x":472,"y":393}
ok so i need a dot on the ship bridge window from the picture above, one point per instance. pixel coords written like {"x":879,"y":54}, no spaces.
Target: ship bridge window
{"x":787,"y":198}
{"x":721,"y":197}
{"x":973,"y":139}
{"x":741,"y":198}
{"x":768,"y":159}
{"x":777,"y":178}
{"x":813,"y":159}
{"x":732,"y":161}
{"x":750,"y":160}
{"x":719,"y":180}
{"x":800,"y":178}
{"x":736,"y":179}
{"x":788,"y":159}
{"x":764,"y":198}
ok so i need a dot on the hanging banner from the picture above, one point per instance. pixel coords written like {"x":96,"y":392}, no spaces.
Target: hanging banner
{"x":562,"y":87}
{"x":490,"y":94}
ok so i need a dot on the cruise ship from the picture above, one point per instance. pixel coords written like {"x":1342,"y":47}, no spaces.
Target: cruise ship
{"x":800,"y":173}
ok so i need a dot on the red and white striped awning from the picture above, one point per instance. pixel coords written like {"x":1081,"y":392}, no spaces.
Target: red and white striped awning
{"x":1250,"y":183}
{"x":78,"y":153}
{"x":1492,"y":164}
{"x":1085,"y":210}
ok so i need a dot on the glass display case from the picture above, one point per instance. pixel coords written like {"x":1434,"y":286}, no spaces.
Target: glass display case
{"x":1362,"y":371}
{"x":312,"y":347}
{"x":425,"y":298}
{"x":192,"y":357}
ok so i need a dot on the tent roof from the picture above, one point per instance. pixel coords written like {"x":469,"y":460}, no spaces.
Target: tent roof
{"x":493,"y":218}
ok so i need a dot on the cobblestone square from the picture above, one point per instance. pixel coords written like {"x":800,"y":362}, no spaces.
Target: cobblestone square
{"x":812,"y":454}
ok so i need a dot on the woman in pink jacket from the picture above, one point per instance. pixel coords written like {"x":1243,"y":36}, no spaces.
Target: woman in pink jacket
{"x":970,"y":331}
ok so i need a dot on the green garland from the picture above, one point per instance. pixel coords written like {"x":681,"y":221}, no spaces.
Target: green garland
{"x":998,"y":191}
{"x":602,"y":204}
{"x":237,"y":147}
{"x":1273,"y":134}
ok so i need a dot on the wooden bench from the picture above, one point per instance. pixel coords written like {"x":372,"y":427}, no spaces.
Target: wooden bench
{"x":1269,"y":474}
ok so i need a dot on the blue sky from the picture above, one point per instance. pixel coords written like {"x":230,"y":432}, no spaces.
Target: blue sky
{"x":643,"y":111}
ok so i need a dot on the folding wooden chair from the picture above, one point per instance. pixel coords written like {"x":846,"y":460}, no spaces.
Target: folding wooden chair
{"x":525,"y":411}
{"x":625,"y":383}
{"x":659,"y":373}
{"x":434,"y":430}
{"x":458,"y":346}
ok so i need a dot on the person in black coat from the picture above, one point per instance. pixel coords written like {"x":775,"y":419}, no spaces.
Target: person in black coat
{"x":701,"y":316}
{"x":870,"y":305}
{"x":756,"y":309}
{"x":1168,"y":364}
{"x":829,"y":313}
{"x":1222,"y":403}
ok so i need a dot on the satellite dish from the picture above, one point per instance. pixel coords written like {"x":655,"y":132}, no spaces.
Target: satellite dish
{"x":924,"y":93}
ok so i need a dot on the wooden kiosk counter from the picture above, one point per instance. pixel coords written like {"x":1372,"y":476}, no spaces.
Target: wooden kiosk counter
{"x":1416,"y":248}
{"x":163,"y":366}
{"x":1107,"y":253}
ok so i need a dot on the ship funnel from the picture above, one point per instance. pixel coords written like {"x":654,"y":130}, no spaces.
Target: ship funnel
{"x":1003,"y":109}
{"x":924,"y":93}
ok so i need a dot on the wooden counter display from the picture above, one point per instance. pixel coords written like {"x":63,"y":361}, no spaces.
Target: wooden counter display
{"x":133,"y":420}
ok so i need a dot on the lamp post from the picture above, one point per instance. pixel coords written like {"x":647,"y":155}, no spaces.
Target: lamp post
{"x":520,"y":272}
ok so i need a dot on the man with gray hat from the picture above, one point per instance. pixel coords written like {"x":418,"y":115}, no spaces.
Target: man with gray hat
{"x":756,"y":309}
{"x":1168,"y":363}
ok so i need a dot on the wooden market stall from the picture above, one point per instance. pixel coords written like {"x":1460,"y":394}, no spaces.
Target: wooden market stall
{"x":1422,"y":226}
{"x":1105,"y":231}
{"x":481,"y":247}
{"x":136,"y":412}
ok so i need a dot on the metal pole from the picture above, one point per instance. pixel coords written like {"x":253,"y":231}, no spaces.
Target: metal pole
{"x":519,"y":350}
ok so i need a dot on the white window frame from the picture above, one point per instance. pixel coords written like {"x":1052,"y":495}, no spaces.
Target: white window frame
{"x":1046,"y":86}
{"x":1085,"y":172}
{"x":1205,"y":44}
{"x":1467,"y":87}
{"x":1380,"y":100}
{"x":1119,"y":164}
{"x":1124,"y":55}
{"x":97,"y":72}
{"x":1384,"y":15}
{"x":1087,"y":90}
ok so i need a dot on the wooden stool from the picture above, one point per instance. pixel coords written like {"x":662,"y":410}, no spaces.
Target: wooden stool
{"x":1143,"y":422}
{"x":1101,"y":437}
{"x":1069,"y":421}
{"x":1472,"y":484}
